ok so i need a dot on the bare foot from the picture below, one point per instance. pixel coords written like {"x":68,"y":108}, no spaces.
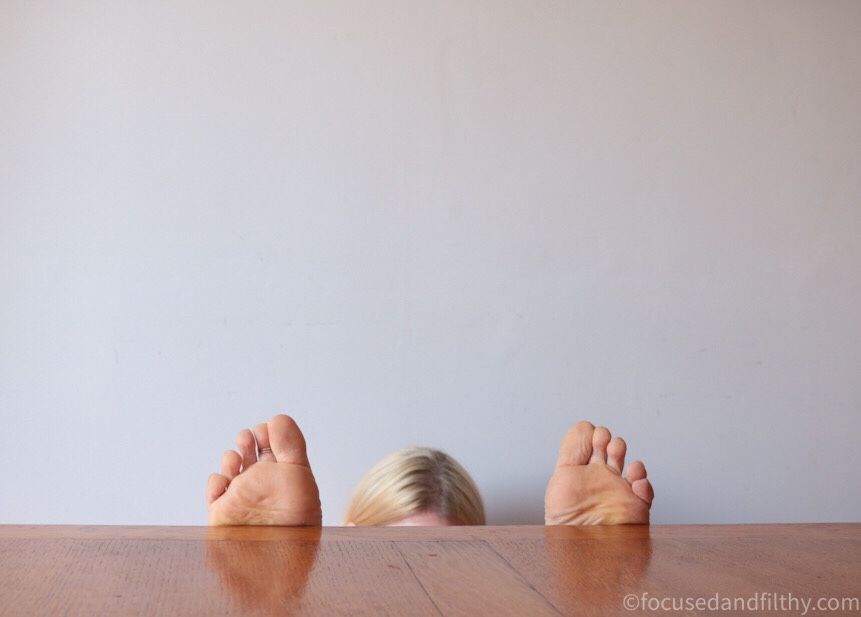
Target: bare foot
{"x":267,"y":484}
{"x":587,"y":487}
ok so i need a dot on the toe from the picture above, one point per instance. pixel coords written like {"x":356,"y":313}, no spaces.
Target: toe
{"x":230,"y":464}
{"x":643,"y":489}
{"x":215,"y":487}
{"x":261,"y":434}
{"x":640,"y":485}
{"x":576,"y":448}
{"x":288,"y":443}
{"x":635,"y":471}
{"x":616,"y":450}
{"x":600,"y":441}
{"x":245,"y":443}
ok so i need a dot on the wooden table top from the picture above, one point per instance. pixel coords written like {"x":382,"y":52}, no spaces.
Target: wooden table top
{"x":469,"y":571}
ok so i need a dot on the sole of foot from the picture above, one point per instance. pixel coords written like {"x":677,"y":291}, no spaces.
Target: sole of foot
{"x":587,"y":486}
{"x":268,"y":481}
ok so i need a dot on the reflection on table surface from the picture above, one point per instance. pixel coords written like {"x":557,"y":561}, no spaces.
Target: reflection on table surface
{"x":416,"y":571}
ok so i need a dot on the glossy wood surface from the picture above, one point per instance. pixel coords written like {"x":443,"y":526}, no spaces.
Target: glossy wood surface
{"x":469,"y":571}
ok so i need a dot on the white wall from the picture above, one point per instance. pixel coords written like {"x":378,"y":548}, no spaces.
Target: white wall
{"x":462,"y":224}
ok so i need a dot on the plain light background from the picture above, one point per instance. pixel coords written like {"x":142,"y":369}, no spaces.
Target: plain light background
{"x":464,"y":224}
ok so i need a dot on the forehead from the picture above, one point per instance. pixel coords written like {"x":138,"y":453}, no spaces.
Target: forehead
{"x":421,"y":519}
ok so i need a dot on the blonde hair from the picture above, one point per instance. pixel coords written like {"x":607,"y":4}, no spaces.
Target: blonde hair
{"x":414,"y":480}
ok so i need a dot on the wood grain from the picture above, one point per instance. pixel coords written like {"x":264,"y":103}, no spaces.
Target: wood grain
{"x":474,"y":571}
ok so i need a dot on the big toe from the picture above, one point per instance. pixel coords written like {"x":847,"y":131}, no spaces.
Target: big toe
{"x":287,"y":441}
{"x":576,"y":448}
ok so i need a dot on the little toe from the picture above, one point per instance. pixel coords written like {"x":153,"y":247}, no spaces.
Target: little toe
{"x":640,"y":485}
{"x":616,"y":450}
{"x":600,"y":441}
{"x":264,"y":450}
{"x":642,"y":488}
{"x":215,"y":487}
{"x":576,"y":448}
{"x":231,"y":463}
{"x":247,"y":448}
{"x":288,"y":442}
